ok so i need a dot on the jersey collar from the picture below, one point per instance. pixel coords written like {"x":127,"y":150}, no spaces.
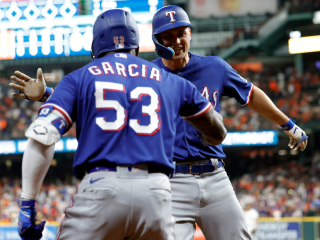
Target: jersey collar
{"x":190,"y":63}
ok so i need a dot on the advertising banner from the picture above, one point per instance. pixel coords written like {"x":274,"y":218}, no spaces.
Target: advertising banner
{"x":279,"y":231}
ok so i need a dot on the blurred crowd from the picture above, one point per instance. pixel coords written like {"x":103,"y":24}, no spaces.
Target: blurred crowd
{"x":297,"y":95}
{"x":16,"y":114}
{"x":51,"y":201}
{"x":291,"y":190}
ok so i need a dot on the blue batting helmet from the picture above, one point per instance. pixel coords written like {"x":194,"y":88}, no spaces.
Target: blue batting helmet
{"x":114,"y":29}
{"x":167,"y":18}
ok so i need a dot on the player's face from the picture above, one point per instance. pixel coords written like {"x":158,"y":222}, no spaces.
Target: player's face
{"x":178,"y":39}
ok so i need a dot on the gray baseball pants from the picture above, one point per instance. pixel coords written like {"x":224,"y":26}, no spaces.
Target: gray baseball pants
{"x":120,"y":205}
{"x":209,"y":200}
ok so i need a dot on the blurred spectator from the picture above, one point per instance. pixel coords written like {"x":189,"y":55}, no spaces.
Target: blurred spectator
{"x":282,"y":191}
{"x":251,"y":216}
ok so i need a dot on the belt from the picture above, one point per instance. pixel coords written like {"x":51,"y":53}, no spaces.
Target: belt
{"x":196,"y":168}
{"x":106,"y":166}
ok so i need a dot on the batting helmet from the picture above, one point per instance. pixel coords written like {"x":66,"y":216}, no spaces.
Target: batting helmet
{"x":114,"y":29}
{"x":167,"y":18}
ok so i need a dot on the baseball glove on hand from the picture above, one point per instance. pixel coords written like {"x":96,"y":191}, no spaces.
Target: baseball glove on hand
{"x":33,"y":89}
{"x":298,"y":138}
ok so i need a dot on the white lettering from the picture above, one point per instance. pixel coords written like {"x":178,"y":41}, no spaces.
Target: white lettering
{"x":215,"y":96}
{"x":205,"y":93}
{"x":121,"y":69}
{"x":130,"y":69}
{"x":144,"y":71}
{"x":171,"y":14}
{"x":95,"y":70}
{"x":107,"y":68}
{"x":155,"y":74}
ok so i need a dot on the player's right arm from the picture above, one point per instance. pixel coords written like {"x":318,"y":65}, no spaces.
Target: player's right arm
{"x":210,"y":124}
{"x":52,"y":122}
{"x":199,"y":112}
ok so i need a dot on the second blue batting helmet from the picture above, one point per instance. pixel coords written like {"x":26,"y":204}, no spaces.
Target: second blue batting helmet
{"x":167,"y":18}
{"x":113,"y":30}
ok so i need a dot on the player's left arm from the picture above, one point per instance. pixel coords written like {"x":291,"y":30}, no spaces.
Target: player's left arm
{"x":30,"y":88}
{"x":262,"y":104}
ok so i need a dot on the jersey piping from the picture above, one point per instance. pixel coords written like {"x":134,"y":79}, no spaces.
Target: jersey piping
{"x":200,"y":113}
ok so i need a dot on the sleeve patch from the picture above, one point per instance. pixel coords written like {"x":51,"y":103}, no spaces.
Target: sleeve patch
{"x":60,"y":124}
{"x":45,"y":111}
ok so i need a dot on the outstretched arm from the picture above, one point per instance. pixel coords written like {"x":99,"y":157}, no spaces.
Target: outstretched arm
{"x":32,"y":89}
{"x":262,"y":104}
{"x":211,"y":126}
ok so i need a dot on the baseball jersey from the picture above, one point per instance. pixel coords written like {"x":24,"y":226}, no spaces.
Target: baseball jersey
{"x":126,"y":110}
{"x":213,"y":77}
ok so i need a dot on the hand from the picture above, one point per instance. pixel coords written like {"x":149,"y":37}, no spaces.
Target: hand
{"x":298,"y":138}
{"x":29,"y":88}
{"x":29,"y":227}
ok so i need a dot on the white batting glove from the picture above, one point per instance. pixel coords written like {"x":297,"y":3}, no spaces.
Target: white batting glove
{"x":298,"y":138}
{"x":32,"y":89}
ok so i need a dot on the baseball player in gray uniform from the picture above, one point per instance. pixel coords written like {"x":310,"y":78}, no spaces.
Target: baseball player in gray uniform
{"x":126,"y":111}
{"x":201,"y":190}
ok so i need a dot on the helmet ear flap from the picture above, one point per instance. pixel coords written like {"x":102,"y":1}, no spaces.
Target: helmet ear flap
{"x":162,"y":51}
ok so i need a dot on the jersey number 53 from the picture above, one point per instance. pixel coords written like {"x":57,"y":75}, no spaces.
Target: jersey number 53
{"x":121,"y":120}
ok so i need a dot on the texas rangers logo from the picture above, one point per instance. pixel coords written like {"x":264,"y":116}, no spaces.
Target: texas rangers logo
{"x":118,"y":41}
{"x":171,"y":14}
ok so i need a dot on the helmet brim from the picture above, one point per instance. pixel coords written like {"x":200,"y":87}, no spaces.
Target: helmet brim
{"x":171,"y":26}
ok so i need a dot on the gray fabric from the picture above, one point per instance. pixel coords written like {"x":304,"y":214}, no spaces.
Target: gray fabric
{"x":209,"y":200}
{"x":121,"y":205}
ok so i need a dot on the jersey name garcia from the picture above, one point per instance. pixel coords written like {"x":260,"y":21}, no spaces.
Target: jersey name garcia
{"x":126,"y":111}
{"x":213,"y":77}
{"x":132,"y":70}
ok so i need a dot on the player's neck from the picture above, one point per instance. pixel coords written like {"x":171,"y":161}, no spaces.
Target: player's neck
{"x":176,"y":65}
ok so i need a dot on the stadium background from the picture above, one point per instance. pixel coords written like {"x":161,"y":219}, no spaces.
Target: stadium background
{"x":275,"y":44}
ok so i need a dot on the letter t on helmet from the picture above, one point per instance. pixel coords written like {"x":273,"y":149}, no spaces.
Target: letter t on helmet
{"x":167,"y":18}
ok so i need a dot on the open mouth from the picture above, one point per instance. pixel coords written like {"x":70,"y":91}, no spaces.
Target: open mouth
{"x":177,"y":50}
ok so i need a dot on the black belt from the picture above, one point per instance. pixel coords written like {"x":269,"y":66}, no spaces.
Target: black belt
{"x":107,"y":166}
{"x":197,"y":168}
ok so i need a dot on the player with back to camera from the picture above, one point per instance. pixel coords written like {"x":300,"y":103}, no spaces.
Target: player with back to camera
{"x":126,"y":111}
{"x":201,"y":190}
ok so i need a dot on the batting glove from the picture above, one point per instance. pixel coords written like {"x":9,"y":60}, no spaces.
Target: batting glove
{"x":29,"y":227}
{"x":298,"y":138}
{"x":32,"y":89}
